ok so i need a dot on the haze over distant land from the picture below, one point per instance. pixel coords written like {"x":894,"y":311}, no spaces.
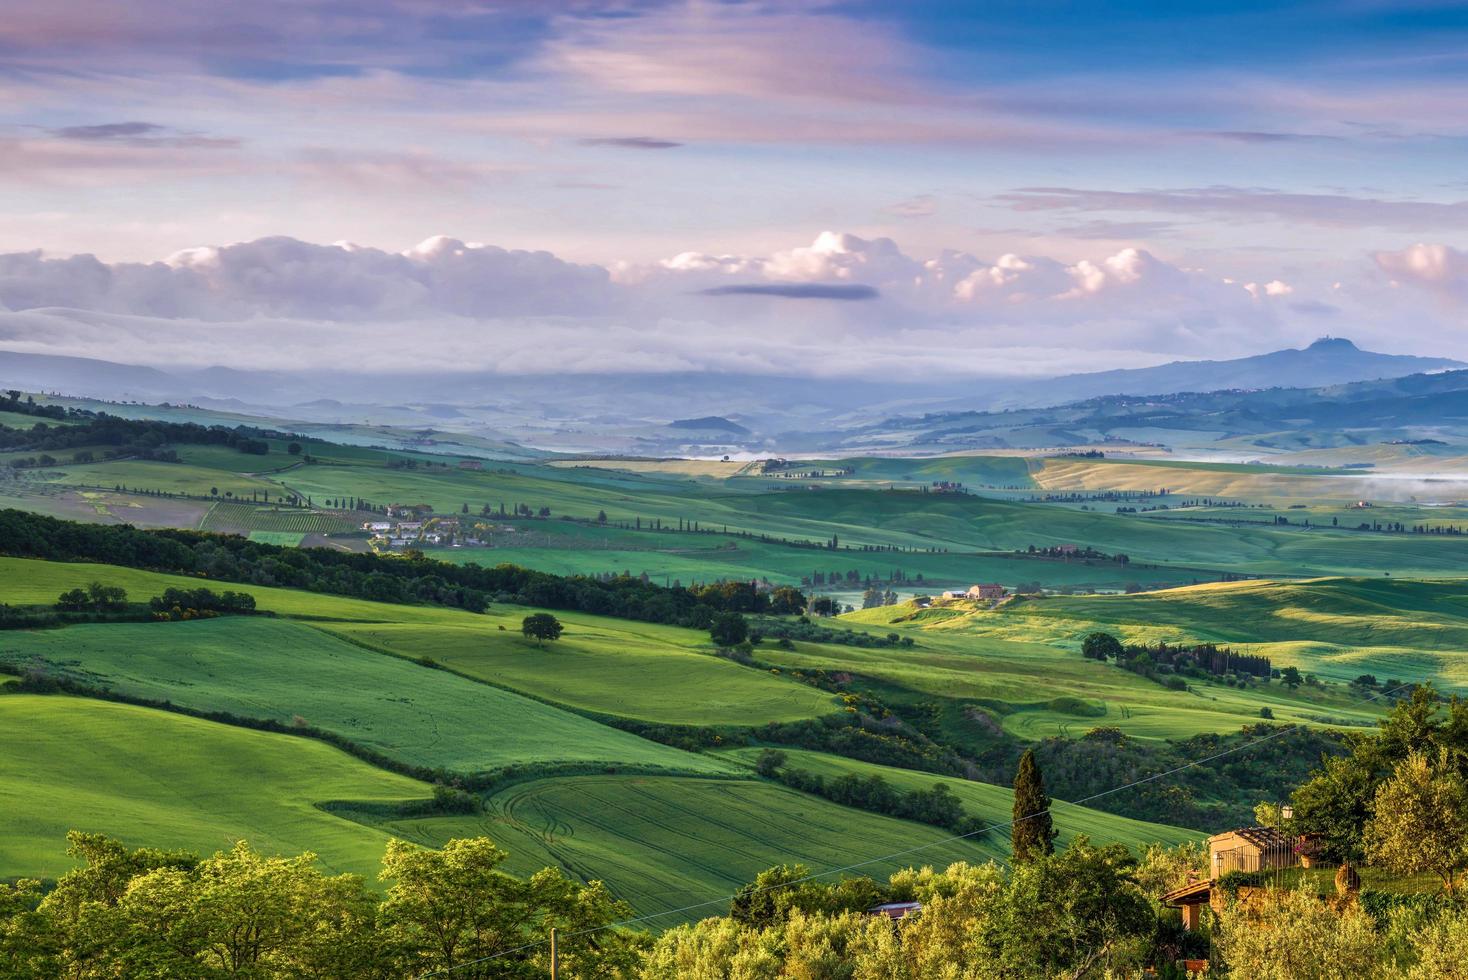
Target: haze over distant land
{"x":874,"y":191}
{"x":642,"y":413}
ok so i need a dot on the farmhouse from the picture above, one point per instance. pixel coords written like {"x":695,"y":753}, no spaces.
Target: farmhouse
{"x":985,"y":591}
{"x":1246,"y":849}
{"x":896,"y":911}
{"x":377,"y":527}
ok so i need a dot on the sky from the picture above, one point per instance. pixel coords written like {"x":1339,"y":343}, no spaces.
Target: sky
{"x":803,"y":187}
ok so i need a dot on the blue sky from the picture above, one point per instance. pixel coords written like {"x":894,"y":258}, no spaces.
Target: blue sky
{"x":1317,"y":147}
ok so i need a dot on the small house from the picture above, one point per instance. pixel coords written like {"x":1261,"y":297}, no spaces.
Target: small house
{"x":1250,"y":849}
{"x":955,"y":594}
{"x":896,"y":911}
{"x":986,"y":591}
{"x":1246,"y":849}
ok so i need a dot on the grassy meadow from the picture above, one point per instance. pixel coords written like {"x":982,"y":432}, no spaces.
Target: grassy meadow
{"x":992,"y":804}
{"x":290,"y":673}
{"x":162,"y":779}
{"x":462,"y":694}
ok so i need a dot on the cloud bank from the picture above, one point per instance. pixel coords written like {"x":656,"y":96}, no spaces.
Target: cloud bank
{"x":844,"y":305}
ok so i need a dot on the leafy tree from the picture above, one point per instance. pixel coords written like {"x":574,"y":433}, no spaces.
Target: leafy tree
{"x":107,"y":597}
{"x":1295,"y":936}
{"x":729,"y":629}
{"x":73,"y":600}
{"x":1076,"y":913}
{"x":294,"y":449}
{"x":1101,"y":646}
{"x":769,"y":762}
{"x":787,"y":601}
{"x":824,"y":606}
{"x":1291,"y":677}
{"x":1420,"y":822}
{"x":541,"y":627}
{"x":1033,"y":832}
{"x":773,"y":894}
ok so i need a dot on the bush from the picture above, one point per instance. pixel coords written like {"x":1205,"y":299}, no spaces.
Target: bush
{"x":769,"y":762}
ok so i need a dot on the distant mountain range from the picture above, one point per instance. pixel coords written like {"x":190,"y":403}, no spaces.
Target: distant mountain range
{"x":657,"y":414}
{"x":1417,"y":408}
{"x":1328,"y":361}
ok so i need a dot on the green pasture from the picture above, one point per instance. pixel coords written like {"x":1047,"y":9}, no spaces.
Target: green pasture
{"x":160,"y":779}
{"x":287,"y":539}
{"x":291,"y":673}
{"x":1336,"y":628}
{"x":612,"y":667}
{"x":972,"y":679}
{"x":992,"y":804}
{"x":663,"y":843}
{"x":688,"y":558}
{"x":141,"y":474}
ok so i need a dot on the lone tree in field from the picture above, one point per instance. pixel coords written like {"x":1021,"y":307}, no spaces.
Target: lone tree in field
{"x":1033,"y":833}
{"x":1101,"y":646}
{"x":541,"y":627}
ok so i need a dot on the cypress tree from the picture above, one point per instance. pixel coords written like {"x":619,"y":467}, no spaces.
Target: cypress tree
{"x":1033,"y":833}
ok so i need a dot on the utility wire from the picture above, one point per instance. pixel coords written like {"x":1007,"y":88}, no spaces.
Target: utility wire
{"x":910,"y":850}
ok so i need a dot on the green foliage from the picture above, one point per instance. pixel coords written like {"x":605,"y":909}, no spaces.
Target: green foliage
{"x":1419,"y":821}
{"x":1033,"y":831}
{"x":1292,"y":935}
{"x":146,"y":913}
{"x":1101,"y":646}
{"x":728,"y":629}
{"x":96,"y":597}
{"x":769,"y":762}
{"x":1077,"y":913}
{"x":541,"y":627}
{"x":1335,"y":804}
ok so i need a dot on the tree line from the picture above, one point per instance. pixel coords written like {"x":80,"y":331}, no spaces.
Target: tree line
{"x":142,"y":437}
{"x":416,"y":579}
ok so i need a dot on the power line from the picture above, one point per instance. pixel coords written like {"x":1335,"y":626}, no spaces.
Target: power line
{"x":911,"y":850}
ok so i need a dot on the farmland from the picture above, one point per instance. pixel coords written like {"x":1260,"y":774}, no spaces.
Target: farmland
{"x":161,"y":778}
{"x":292,"y":674}
{"x":624,"y":750}
{"x":992,"y":804}
{"x":668,"y":843}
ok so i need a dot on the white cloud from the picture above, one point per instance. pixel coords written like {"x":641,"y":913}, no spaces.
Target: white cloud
{"x":1441,"y":269}
{"x":842,"y":305}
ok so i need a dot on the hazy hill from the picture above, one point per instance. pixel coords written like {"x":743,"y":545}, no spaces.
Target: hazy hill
{"x":1328,"y":361}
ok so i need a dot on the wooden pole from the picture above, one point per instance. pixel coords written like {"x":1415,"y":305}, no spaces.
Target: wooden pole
{"x":555,"y":963}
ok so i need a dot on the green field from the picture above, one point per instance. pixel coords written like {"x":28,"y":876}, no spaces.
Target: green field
{"x":1034,"y":687}
{"x":236,"y":518}
{"x":286,"y":539}
{"x":440,"y":689}
{"x":939,"y":535}
{"x":1337,"y":628}
{"x":282,"y":671}
{"x":992,"y":804}
{"x":607,"y":666}
{"x":161,"y":779}
{"x":664,"y":843}
{"x":686,"y":558}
